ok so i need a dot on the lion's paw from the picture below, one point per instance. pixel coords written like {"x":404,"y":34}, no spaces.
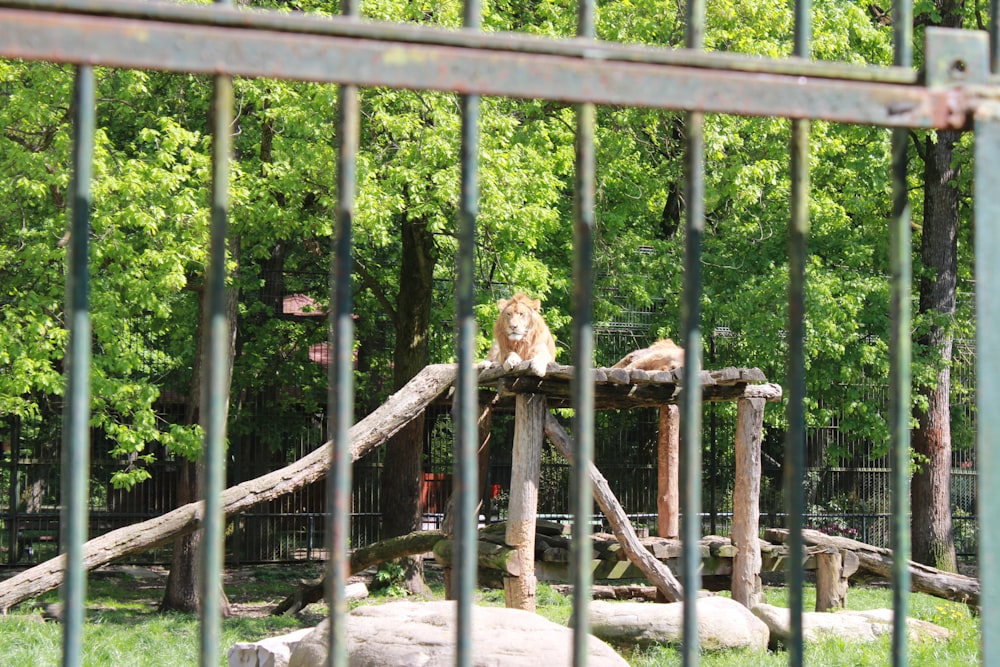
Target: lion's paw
{"x":513,"y":359}
{"x":539,"y":366}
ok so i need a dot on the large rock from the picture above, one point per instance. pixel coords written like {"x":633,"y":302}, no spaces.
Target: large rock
{"x":422,"y":634}
{"x":722,"y":623}
{"x":276,"y":651}
{"x":857,"y":626}
{"x":270,"y":652}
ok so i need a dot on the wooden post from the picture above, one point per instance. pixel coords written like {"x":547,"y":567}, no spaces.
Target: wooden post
{"x":668,"y":498}
{"x":746,"y":584}
{"x":529,"y":425}
{"x":831,"y":584}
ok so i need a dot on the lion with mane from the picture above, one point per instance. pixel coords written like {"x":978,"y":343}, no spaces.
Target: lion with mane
{"x":520,"y":334}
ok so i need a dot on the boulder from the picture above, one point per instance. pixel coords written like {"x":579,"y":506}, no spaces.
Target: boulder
{"x":423,"y":634}
{"x":276,"y":651}
{"x":722,"y":623}
{"x":270,"y":652}
{"x":857,"y":626}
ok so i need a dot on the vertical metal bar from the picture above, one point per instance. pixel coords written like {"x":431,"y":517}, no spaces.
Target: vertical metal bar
{"x":466,"y":400}
{"x":987,"y":240}
{"x":798,"y":234}
{"x":900,"y":276}
{"x":795,"y":444}
{"x":690,"y":431}
{"x":583,"y":354}
{"x":215,"y":382}
{"x":987,"y":244}
{"x":994,"y":28}
{"x":340,"y":398}
{"x":76,"y":410}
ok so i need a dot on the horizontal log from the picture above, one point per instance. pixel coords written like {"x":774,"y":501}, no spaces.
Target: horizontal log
{"x":491,"y":556}
{"x":878,"y":560}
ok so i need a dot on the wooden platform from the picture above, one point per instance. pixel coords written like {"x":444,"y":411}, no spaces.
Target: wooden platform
{"x":621,"y":389}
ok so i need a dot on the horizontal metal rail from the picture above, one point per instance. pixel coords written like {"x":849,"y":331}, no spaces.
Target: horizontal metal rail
{"x":200,"y":40}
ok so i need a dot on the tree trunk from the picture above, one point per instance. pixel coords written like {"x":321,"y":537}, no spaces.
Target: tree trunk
{"x":401,"y":473}
{"x":931,"y":530}
{"x":367,"y":434}
{"x":181,"y":590}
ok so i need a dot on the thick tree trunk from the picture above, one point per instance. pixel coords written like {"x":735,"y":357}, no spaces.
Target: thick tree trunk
{"x":931,"y":531}
{"x":367,"y":434}
{"x":181,"y":590}
{"x":401,"y":473}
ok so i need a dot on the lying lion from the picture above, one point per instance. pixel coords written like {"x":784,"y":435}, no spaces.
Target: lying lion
{"x":663,"y":355}
{"x":520,"y":333}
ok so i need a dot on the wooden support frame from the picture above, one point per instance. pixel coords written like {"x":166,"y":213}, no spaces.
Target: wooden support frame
{"x":625,"y":389}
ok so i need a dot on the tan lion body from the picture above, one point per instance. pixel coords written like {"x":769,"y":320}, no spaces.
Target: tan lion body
{"x":520,"y":334}
{"x":663,"y":355}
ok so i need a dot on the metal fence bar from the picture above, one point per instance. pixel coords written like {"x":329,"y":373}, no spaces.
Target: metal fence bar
{"x":900,"y":345}
{"x":600,"y":76}
{"x":581,"y":491}
{"x":409,"y":33}
{"x":690,"y":412}
{"x":215,"y":381}
{"x":987,"y":240}
{"x":467,"y":390}
{"x":795,"y":446}
{"x":340,"y":397}
{"x":76,"y":413}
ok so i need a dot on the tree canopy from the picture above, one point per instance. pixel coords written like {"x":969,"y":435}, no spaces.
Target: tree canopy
{"x":149,"y":234}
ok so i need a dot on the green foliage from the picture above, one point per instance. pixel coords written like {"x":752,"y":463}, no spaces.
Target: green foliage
{"x":389,"y":580}
{"x":150,"y":212}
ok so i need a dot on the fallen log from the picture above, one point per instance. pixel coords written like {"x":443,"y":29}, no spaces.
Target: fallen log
{"x":370,"y":432}
{"x":417,"y":542}
{"x":655,"y":571}
{"x":878,"y":560}
{"x":490,"y":556}
{"x":604,"y":592}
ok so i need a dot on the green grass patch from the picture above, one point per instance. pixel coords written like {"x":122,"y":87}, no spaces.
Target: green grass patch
{"x":124,"y":626}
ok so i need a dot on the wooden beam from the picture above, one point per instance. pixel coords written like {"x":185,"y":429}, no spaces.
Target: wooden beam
{"x":655,"y":571}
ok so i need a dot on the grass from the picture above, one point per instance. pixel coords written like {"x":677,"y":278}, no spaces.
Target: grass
{"x":124,"y":627}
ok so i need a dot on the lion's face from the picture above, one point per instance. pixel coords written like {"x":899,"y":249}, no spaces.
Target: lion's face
{"x":520,"y":334}
{"x":517,"y":320}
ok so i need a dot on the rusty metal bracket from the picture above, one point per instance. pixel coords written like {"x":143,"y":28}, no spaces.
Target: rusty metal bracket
{"x":956,"y":57}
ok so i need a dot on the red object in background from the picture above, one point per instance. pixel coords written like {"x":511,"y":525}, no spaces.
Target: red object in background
{"x":495,"y":491}
{"x":434,"y":491}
